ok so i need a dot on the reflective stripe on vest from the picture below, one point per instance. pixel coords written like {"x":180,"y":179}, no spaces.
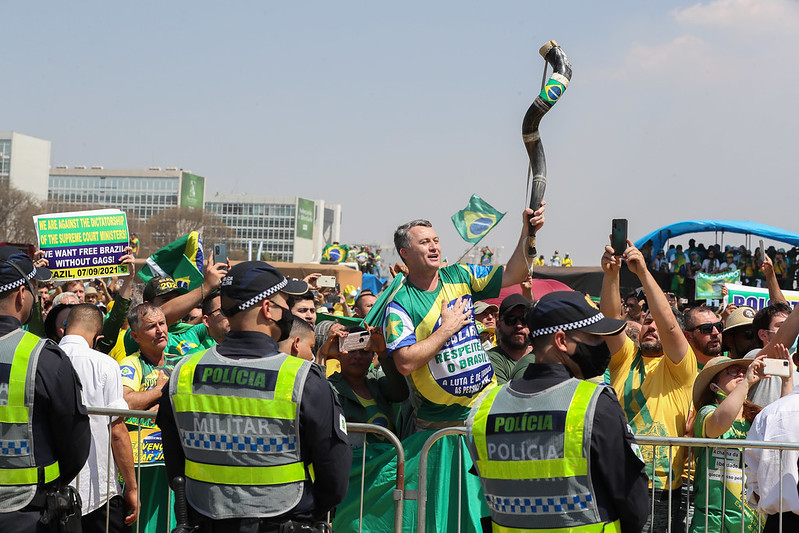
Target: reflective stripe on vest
{"x":612,"y":527}
{"x":239,"y":427}
{"x":19,"y":474}
{"x":538,"y":475}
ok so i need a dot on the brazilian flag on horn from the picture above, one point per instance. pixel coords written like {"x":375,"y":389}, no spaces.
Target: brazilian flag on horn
{"x":335,"y":253}
{"x":476,"y":219}
{"x":182,"y":260}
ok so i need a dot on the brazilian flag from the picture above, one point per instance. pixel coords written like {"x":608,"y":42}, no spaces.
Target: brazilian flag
{"x":476,"y":219}
{"x":182,"y":260}
{"x":335,"y":253}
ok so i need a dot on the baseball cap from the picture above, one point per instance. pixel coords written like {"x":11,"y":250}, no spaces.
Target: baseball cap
{"x":157,"y":286}
{"x":569,"y":310}
{"x":10,"y":277}
{"x":512,"y":301}
{"x":742,"y":316}
{"x":482,"y":307}
{"x":250,"y":282}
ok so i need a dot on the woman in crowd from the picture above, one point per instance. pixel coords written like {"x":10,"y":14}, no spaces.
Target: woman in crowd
{"x":367,"y":394}
{"x":723,"y":412}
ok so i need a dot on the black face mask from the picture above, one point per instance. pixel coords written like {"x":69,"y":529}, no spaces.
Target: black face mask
{"x":592,"y":360}
{"x":284,"y":323}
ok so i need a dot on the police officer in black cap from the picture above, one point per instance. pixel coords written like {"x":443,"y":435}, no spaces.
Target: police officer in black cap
{"x":44,"y":426}
{"x":258,"y":435}
{"x":553,"y":451}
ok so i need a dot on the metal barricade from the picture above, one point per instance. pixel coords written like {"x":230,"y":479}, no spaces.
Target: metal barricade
{"x":705,"y":444}
{"x":399,"y":492}
{"x":422,"y":503}
{"x":110,"y":466}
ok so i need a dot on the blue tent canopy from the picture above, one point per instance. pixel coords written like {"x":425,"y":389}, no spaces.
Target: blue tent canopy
{"x":661,"y":235}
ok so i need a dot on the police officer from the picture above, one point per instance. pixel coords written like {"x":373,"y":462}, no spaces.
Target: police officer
{"x":555,"y":452}
{"x":257,"y":434}
{"x":44,"y":426}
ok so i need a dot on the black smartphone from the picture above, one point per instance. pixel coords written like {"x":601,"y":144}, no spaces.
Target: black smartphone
{"x":220,"y":253}
{"x":618,"y":235}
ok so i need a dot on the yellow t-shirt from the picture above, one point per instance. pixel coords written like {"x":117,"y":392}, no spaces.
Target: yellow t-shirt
{"x":655,"y":395}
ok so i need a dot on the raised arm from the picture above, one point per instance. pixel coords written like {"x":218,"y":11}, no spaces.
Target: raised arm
{"x":176,"y":308}
{"x":409,"y":358}
{"x":609,"y":298}
{"x":722,"y":418}
{"x":675,"y":345}
{"x":516,"y":269}
{"x":774,"y":291}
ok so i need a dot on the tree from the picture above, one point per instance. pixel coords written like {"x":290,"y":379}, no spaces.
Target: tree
{"x":171,"y":224}
{"x":17,"y":209}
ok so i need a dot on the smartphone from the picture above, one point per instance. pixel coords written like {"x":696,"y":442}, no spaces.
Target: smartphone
{"x":326,"y":281}
{"x":220,"y":253}
{"x":618,"y":235}
{"x":776,"y":367}
{"x":762,"y":249}
{"x":354,"y":341}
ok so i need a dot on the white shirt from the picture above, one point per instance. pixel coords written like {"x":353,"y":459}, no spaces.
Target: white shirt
{"x":102,"y":387}
{"x":778,"y":422}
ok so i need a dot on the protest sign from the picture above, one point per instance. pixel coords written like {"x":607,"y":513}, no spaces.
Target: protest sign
{"x":83,"y":244}
{"x":755,"y":297}
{"x":708,"y":286}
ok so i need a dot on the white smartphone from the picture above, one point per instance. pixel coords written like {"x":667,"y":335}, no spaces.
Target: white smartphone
{"x":354,"y":341}
{"x":776,"y":367}
{"x":326,"y":281}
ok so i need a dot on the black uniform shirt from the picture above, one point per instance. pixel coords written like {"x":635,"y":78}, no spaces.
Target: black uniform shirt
{"x":322,"y":441}
{"x":60,"y":422}
{"x":617,"y":473}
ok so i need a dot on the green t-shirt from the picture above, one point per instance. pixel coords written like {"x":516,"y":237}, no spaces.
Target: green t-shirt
{"x":521,"y":365}
{"x":502,"y":363}
{"x":710,"y":482}
{"x":448,"y":385}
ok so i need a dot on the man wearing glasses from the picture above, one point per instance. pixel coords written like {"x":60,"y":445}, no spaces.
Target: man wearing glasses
{"x":513,"y":337}
{"x":703,"y":332}
{"x":215,"y":321}
{"x":653,"y":382}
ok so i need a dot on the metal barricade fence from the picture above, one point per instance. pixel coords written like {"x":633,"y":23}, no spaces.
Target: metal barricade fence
{"x":398,"y":493}
{"x":705,"y":445}
{"x":110,"y":466}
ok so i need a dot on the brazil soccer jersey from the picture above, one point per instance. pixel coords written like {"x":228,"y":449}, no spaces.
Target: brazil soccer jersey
{"x":447,"y":386}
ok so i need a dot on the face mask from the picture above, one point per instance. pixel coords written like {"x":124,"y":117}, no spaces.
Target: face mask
{"x":719,"y":393}
{"x":592,"y":360}
{"x":284,"y":323}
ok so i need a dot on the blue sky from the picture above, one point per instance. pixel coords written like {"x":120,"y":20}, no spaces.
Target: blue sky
{"x":676,"y":110}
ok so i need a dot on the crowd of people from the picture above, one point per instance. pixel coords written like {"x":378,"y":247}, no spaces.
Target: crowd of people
{"x":676,"y":268}
{"x":431,"y":351}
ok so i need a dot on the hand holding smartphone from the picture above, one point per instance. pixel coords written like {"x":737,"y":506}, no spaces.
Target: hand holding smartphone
{"x":618,"y":236}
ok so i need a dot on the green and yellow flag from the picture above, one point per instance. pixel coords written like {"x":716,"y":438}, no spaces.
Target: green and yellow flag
{"x":182,"y":260}
{"x":476,"y":219}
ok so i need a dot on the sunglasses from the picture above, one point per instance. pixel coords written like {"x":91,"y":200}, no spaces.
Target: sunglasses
{"x":735,"y":371}
{"x":707,"y":329}
{"x":511,"y":321}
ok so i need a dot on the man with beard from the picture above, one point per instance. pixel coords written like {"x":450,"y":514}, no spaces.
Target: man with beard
{"x":654,"y":391}
{"x":703,"y":332}
{"x":513,"y":337}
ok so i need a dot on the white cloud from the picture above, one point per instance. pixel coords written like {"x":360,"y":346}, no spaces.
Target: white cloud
{"x":750,"y":16}
{"x":666,"y":58}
